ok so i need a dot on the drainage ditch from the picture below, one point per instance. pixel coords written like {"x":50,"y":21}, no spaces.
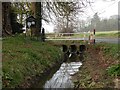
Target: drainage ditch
{"x":73,"y":56}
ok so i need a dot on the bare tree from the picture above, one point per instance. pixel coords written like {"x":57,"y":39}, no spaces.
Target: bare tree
{"x":65,"y":12}
{"x":21,"y":9}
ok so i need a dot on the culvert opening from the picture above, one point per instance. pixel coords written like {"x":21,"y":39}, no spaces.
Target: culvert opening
{"x":82,"y":48}
{"x":64,"y":48}
{"x":73,"y":48}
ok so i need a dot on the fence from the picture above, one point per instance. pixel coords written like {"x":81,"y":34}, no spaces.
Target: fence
{"x":84,"y":36}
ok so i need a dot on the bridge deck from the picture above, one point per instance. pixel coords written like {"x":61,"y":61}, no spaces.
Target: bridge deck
{"x":68,"y":39}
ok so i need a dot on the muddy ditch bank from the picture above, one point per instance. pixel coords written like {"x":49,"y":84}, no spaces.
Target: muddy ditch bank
{"x":93,"y":73}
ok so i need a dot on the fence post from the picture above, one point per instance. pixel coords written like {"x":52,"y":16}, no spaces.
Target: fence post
{"x":84,"y":36}
{"x":89,"y":37}
{"x":43,"y":35}
{"x":94,"y":36}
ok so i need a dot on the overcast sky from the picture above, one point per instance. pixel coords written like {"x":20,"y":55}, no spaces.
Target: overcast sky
{"x":104,"y":8}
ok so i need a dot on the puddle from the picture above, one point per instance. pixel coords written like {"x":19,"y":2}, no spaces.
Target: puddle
{"x":62,"y":78}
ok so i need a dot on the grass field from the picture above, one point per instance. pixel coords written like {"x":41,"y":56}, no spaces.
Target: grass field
{"x":102,"y":34}
{"x":108,"y":34}
{"x":23,"y":58}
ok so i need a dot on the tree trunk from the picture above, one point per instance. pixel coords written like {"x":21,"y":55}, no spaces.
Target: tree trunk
{"x":38,"y":19}
{"x":6,"y":21}
{"x":33,"y":5}
{"x":0,"y":19}
{"x":36,"y":11}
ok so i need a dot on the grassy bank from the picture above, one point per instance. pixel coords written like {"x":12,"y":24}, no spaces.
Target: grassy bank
{"x":100,"y":67}
{"x":109,"y":49}
{"x":24,"y":58}
{"x":108,"y":34}
{"x":102,"y":34}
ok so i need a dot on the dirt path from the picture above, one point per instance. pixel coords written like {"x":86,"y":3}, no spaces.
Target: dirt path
{"x":93,"y":73}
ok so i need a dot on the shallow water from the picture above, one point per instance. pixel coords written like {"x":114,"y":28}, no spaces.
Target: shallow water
{"x":62,"y":78}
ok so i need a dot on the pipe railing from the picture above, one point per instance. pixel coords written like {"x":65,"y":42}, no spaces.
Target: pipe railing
{"x":85,"y":36}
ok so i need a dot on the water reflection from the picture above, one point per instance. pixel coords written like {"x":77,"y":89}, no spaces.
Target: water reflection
{"x":62,"y":78}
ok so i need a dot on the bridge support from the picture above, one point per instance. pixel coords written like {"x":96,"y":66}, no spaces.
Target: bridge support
{"x":73,"y":49}
{"x":65,"y":50}
{"x":72,"y":52}
{"x":82,"y":48}
{"x":92,"y":38}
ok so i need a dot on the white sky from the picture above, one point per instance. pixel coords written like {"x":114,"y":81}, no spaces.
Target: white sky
{"x":105,"y":9}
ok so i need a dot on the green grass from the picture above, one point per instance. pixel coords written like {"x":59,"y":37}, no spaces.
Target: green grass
{"x":108,"y":34}
{"x":105,"y":34}
{"x":114,"y":70}
{"x":24,"y":58}
{"x":111,"y":50}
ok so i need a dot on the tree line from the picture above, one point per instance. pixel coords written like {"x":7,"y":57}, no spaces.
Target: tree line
{"x":64,"y":16}
{"x":110,"y":24}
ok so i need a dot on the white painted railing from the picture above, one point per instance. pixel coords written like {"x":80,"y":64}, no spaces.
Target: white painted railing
{"x":85,"y":36}
{"x":66,"y":36}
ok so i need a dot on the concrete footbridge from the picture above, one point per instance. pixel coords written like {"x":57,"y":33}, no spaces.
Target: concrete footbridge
{"x":81,"y":36}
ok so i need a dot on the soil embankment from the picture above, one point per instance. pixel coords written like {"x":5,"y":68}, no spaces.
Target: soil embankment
{"x":93,"y":73}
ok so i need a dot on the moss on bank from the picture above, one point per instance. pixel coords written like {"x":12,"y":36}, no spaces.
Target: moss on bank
{"x":23,"y":58}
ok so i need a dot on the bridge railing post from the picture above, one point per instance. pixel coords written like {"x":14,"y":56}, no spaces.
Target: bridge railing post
{"x":43,"y":35}
{"x":94,"y":36}
{"x":84,"y":36}
{"x":91,"y":39}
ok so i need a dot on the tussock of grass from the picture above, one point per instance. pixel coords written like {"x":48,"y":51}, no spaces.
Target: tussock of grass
{"x":23,"y":57}
{"x":114,"y":70}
